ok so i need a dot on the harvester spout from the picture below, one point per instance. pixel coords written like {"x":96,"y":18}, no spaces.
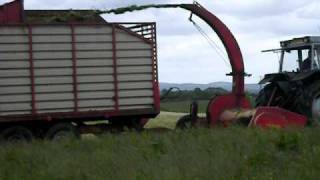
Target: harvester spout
{"x":229,"y":42}
{"x":227,"y":38}
{"x":234,"y":100}
{"x":234,"y":106}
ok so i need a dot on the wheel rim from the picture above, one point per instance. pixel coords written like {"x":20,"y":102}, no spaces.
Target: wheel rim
{"x":16,"y":138}
{"x":62,"y":131}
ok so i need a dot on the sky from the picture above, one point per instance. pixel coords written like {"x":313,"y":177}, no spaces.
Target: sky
{"x":185,"y":56}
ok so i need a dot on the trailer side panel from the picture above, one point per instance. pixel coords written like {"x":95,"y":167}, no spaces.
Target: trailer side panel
{"x":74,"y":68}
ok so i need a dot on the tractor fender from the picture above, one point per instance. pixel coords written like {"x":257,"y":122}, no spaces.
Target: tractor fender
{"x":279,"y":80}
{"x":275,"y":77}
{"x":309,"y":76}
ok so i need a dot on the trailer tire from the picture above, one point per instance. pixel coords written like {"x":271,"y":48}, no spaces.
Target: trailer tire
{"x":16,"y":134}
{"x":134,"y":124}
{"x":123,"y":124}
{"x":62,"y":131}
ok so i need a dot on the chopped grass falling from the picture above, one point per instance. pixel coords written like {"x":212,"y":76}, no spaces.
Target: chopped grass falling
{"x":132,"y":8}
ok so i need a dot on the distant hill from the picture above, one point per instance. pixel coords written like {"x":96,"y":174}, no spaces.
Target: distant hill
{"x":252,"y":88}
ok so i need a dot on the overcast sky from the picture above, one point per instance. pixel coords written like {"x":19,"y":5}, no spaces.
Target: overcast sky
{"x":185,"y":56}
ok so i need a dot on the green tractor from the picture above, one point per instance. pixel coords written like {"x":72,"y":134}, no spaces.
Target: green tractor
{"x":296,"y":87}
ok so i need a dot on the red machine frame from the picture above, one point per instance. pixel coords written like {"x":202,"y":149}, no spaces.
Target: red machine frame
{"x":235,"y":100}
{"x":12,"y":12}
{"x":263,"y":116}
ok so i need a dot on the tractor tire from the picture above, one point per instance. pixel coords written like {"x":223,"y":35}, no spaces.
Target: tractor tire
{"x":16,"y":134}
{"x":308,"y":100}
{"x":265,"y":94}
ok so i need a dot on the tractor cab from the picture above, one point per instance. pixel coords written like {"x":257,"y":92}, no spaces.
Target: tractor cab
{"x":296,"y":87}
{"x":299,"y":54}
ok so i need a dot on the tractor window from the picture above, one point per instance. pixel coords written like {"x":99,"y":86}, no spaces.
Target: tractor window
{"x":290,"y":62}
{"x":306,"y":60}
{"x":316,"y":61}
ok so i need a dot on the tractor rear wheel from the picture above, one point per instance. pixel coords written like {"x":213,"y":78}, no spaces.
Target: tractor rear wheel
{"x":307,"y":101}
{"x":263,"y":98}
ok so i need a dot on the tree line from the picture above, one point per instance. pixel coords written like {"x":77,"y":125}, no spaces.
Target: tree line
{"x":195,"y":94}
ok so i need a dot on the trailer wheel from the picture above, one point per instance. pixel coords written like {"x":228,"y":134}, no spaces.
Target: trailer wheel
{"x":135,"y":124}
{"x":62,"y":131}
{"x":131,"y":124}
{"x":16,"y":134}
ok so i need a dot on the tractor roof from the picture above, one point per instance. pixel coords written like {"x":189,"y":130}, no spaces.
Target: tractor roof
{"x":300,"y":42}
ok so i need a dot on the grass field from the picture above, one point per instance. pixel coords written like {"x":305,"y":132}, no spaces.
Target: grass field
{"x":222,"y":153}
{"x":183,"y":106}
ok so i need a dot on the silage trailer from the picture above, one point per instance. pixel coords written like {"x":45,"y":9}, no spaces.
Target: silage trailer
{"x":60,"y":69}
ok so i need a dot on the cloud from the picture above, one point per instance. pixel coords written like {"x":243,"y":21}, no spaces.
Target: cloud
{"x":4,"y":1}
{"x":169,"y":22}
{"x":248,"y":9}
{"x":184,"y":53}
{"x":310,"y":11}
{"x":190,"y":59}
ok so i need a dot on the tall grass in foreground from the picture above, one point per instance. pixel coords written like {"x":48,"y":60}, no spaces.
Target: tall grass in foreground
{"x":226,"y":153}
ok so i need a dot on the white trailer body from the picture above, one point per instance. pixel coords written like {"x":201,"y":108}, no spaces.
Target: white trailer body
{"x":78,"y":71}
